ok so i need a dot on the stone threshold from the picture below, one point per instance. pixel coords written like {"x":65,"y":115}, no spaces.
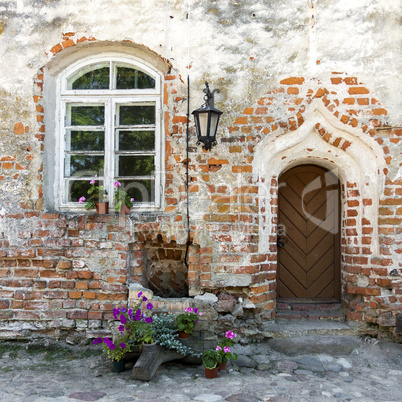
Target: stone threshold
{"x":300,"y":328}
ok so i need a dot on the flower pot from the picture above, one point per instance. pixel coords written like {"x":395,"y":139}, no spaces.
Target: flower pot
{"x":124,"y":210}
{"x":222,"y":366}
{"x":184,"y":335}
{"x":211,"y":373}
{"x":149,"y":347}
{"x":102,"y":208}
{"x":119,"y":366}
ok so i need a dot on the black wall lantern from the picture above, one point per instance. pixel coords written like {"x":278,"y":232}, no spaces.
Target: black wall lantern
{"x":207,"y":119}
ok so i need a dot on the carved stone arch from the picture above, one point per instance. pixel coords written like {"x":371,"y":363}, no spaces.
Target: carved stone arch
{"x":353,"y":156}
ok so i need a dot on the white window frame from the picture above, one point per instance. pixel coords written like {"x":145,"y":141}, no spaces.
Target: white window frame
{"x":110,"y":99}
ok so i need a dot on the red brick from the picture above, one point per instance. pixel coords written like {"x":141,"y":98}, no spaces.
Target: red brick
{"x":358,"y":91}
{"x":75,"y":295}
{"x":292,"y":81}
{"x":293,"y":91}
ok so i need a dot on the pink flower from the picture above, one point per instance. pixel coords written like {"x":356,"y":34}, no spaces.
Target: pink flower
{"x":132,"y":199}
{"x":226,"y":349}
{"x":189,"y":310}
{"x":218,"y":348}
{"x":230,"y":335}
{"x":81,"y":200}
{"x":199,"y":314}
{"x":92,"y":182}
{"x":116,"y":184}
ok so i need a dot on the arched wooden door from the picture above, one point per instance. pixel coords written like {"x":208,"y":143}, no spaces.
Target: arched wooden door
{"x":309,"y":235}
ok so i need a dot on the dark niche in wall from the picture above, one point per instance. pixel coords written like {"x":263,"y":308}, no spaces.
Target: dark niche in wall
{"x":165,"y":271}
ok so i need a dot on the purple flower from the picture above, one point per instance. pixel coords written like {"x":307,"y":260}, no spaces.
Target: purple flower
{"x":106,"y":340}
{"x":150,"y":306}
{"x":115,"y":313}
{"x":144,"y":299}
{"x":123,"y":310}
{"x":137,"y":318}
{"x":130,"y":313}
{"x":226,"y":349}
{"x":189,"y":310}
{"x":139,"y":294}
{"x":218,"y":348}
{"x":148,"y":320}
{"x":195,"y":310}
{"x":112,"y":346}
{"x":123,"y":345}
{"x":123,"y":319}
{"x":138,"y":312}
{"x":92,"y":182}
{"x":97,"y":340}
{"x":81,"y":200}
{"x":121,"y":328}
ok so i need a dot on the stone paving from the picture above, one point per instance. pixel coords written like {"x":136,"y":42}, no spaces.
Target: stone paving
{"x":371,"y":372}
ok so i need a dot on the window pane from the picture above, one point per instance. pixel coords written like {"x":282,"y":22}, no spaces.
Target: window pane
{"x":136,"y":165}
{"x":87,"y":115}
{"x":136,"y":140}
{"x":140,"y":190}
{"x":98,"y":78}
{"x":84,"y":165}
{"x":86,"y":140}
{"x":131,"y":115}
{"x":129,"y":78}
{"x":77,"y":189}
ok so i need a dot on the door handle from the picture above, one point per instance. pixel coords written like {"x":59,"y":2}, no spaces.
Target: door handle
{"x":280,"y":243}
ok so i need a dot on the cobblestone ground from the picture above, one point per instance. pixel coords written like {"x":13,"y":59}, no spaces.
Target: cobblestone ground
{"x":372,"y":372}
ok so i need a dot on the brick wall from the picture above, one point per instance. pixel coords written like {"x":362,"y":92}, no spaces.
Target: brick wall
{"x":62,"y":272}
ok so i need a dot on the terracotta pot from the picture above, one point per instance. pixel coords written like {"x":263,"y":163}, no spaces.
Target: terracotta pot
{"x":102,"y":208}
{"x":222,"y":366}
{"x":184,"y":335}
{"x":124,"y":210}
{"x":211,"y":373}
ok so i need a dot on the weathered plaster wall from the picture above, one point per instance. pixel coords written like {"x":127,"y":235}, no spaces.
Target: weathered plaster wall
{"x":270,"y":59}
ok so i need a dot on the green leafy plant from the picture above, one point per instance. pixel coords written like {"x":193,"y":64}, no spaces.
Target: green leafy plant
{"x":211,"y":358}
{"x":136,"y":322}
{"x":224,"y":347}
{"x":121,"y":197}
{"x":116,"y":350}
{"x":186,"y":322}
{"x":166,"y":335}
{"x":96,"y":194}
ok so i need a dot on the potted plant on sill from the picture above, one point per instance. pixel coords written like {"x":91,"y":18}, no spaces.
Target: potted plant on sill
{"x":211,"y":359}
{"x":224,"y":349}
{"x":97,"y":199}
{"x":122,"y":201}
{"x":185,"y":322}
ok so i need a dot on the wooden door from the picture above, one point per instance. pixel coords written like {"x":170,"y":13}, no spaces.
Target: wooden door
{"x":308,"y":234}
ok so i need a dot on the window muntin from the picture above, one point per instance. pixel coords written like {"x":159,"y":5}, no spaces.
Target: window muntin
{"x":111,"y":134}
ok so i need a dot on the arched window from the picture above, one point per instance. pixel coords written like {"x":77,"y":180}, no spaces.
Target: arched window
{"x":109,"y":130}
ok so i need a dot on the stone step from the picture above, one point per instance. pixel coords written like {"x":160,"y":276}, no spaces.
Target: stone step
{"x":310,"y":311}
{"x":310,"y":315}
{"x":302,"y":328}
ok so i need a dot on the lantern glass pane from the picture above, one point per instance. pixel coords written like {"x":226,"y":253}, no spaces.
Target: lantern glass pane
{"x":214,"y":124}
{"x":203,"y":119}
